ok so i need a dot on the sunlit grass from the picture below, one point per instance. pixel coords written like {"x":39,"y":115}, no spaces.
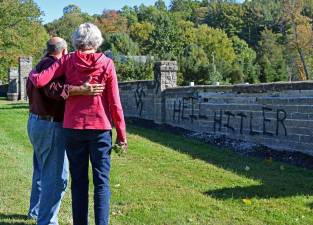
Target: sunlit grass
{"x":166,"y":179}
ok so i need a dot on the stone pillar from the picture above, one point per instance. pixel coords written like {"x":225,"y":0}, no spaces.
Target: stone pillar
{"x":12,"y":74}
{"x":25,"y":66}
{"x":13,"y":89}
{"x":165,"y":76}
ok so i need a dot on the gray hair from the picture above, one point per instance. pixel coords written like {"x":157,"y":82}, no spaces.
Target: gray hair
{"x":87,"y":36}
{"x":57,"y":47}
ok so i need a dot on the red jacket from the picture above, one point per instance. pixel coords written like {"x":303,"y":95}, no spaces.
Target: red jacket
{"x":88,"y":112}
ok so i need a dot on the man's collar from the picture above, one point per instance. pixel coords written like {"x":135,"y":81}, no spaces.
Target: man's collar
{"x":51,"y":56}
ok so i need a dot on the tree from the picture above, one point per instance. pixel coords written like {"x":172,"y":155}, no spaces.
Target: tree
{"x":130,"y":14}
{"x":226,"y":16}
{"x":300,"y":37}
{"x":140,"y":33}
{"x":21,"y":33}
{"x":194,"y":65}
{"x":67,"y":24}
{"x":111,"y":21}
{"x":189,"y":32}
{"x":160,"y":5}
{"x":199,"y":15}
{"x":219,"y":50}
{"x":184,"y":8}
{"x":133,"y":70}
{"x":71,"y":9}
{"x":308,"y":9}
{"x":245,"y":69}
{"x":165,"y":40}
{"x":120,"y":44}
{"x":271,"y":58}
{"x":215,"y":41}
{"x":258,"y":15}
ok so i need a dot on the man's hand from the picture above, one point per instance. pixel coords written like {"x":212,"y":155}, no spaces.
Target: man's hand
{"x":92,"y":89}
{"x":87,"y":89}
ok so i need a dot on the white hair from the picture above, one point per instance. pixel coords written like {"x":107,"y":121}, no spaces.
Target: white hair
{"x":87,"y":36}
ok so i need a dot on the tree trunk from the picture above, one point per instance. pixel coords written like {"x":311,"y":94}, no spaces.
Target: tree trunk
{"x":303,"y":63}
{"x":302,"y":58}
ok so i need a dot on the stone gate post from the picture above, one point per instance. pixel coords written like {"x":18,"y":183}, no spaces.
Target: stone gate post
{"x":13,"y":89}
{"x":165,"y":76}
{"x":25,"y":66}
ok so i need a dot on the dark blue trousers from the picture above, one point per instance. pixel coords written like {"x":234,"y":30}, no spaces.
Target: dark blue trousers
{"x":80,"y":146}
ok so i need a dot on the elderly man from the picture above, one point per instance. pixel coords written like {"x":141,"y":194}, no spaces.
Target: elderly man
{"x":47,"y":137}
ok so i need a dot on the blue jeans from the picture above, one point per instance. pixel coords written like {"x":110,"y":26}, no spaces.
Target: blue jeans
{"x":50,"y":169}
{"x":80,"y":145}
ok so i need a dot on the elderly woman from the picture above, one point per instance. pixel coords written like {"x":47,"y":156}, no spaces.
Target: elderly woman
{"x":87,"y":120}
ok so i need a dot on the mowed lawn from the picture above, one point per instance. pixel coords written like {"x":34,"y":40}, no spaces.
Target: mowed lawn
{"x":166,"y":179}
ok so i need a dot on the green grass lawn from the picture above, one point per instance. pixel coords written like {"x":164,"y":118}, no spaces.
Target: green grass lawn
{"x":166,"y":179}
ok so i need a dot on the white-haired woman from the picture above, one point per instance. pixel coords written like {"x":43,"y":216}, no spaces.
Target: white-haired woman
{"x":87,"y":120}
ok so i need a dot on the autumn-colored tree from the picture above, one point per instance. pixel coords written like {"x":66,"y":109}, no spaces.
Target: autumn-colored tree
{"x":300,"y":34}
{"x":112,"y":22}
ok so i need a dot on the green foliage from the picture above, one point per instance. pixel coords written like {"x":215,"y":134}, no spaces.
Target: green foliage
{"x":140,"y":33}
{"x":184,"y":8}
{"x":130,"y":69}
{"x":226,"y":16}
{"x":67,"y":24}
{"x":165,"y":40}
{"x":21,"y":33}
{"x":257,"y":40}
{"x":194,"y":65}
{"x":120,"y":44}
{"x":130,"y":14}
{"x":258,"y":15}
{"x":215,"y":42}
{"x":71,"y":9}
{"x":271,"y":58}
{"x":246,"y":69}
{"x":160,"y":5}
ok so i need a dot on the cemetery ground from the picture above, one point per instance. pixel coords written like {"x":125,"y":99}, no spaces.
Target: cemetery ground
{"x":166,"y":179}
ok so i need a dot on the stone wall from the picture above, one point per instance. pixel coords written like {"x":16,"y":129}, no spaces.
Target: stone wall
{"x":276,"y":115}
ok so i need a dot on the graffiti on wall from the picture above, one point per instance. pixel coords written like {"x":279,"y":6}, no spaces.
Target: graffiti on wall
{"x":191,"y":108}
{"x":139,"y":95}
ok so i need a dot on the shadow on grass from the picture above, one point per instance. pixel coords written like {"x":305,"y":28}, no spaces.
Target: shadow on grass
{"x":14,"y":217}
{"x":278,"y":179}
{"x":14,"y":106}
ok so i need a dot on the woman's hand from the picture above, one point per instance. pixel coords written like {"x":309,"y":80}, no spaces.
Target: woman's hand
{"x":120,"y":148}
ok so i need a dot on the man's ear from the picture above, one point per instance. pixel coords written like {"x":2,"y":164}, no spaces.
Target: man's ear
{"x":64,"y":52}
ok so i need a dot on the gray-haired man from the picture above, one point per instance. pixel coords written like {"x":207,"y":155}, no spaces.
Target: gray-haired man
{"x":46,"y":135}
